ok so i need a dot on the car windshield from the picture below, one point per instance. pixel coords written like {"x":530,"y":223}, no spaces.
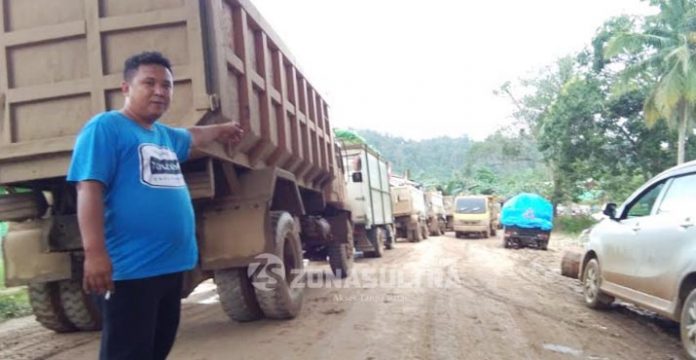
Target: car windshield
{"x":471,"y":206}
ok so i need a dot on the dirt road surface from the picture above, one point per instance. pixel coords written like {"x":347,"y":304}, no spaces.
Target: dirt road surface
{"x":442,"y":298}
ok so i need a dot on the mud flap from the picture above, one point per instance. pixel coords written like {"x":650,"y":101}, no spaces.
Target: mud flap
{"x":233,"y":229}
{"x":26,"y":258}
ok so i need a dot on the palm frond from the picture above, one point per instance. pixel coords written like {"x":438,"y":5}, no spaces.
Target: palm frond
{"x":622,"y":43}
{"x":680,"y":56}
{"x":690,"y":84}
{"x":669,"y":92}
{"x":652,"y":114}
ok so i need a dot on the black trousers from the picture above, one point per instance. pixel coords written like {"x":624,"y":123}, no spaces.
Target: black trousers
{"x":141,"y":317}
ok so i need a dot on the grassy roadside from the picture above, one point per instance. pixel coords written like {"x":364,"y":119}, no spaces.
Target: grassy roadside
{"x":573,"y":225}
{"x":14,"y":302}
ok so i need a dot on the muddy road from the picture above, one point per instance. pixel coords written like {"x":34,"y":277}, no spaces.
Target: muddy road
{"x":442,"y":298}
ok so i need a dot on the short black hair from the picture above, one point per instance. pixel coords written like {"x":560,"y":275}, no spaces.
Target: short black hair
{"x":144,"y":58}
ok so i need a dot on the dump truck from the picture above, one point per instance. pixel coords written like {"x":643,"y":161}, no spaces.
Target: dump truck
{"x":280,"y":191}
{"x":448,"y":202}
{"x":369,"y":197}
{"x":476,"y":214}
{"x":410,"y":211}
{"x":436,"y":220}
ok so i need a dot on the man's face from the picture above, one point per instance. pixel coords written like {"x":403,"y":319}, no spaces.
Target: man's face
{"x":148,"y":92}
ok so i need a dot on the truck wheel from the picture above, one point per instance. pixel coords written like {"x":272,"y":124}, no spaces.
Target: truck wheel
{"x":591,"y":279}
{"x":79,"y":307}
{"x":237,"y":295}
{"x":434,"y":230}
{"x":390,"y":240}
{"x":424,"y":231}
{"x":506,"y":243}
{"x":341,"y":255}
{"x":493,"y":232}
{"x":543,"y":245}
{"x":377,"y":241}
{"x":415,"y":235}
{"x":278,"y":299}
{"x":45,"y":303}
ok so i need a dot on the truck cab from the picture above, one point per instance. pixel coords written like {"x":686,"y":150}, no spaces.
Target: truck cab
{"x":475,"y":214}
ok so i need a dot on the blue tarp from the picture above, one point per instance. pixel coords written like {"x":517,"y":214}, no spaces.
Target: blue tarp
{"x":528,"y":211}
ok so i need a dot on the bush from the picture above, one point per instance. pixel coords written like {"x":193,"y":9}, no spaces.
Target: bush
{"x":14,"y":304}
{"x":573,"y":224}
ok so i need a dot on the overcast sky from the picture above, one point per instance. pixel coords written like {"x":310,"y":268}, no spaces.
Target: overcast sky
{"x":421,"y":69}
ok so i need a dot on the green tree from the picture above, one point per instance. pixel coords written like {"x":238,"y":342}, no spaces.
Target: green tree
{"x":666,"y":46}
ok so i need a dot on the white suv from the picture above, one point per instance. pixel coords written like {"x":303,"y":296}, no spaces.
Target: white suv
{"x":645,"y":251}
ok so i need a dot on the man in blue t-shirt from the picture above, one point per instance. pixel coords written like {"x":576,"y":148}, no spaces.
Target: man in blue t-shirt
{"x":135,"y":213}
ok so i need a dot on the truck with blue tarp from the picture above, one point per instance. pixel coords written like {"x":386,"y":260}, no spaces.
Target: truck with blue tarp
{"x":527,"y":221}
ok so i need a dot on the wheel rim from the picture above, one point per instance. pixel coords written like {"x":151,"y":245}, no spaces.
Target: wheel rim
{"x":591,"y":284}
{"x":690,"y":326}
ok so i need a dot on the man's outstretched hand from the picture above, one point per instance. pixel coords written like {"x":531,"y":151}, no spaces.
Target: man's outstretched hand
{"x":230,"y":134}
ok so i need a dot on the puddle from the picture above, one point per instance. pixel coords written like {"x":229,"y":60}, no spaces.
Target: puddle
{"x":563,"y":349}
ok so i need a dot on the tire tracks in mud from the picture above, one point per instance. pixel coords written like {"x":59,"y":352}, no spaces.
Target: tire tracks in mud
{"x":23,"y":338}
{"x":536,"y":273}
{"x":503,"y":304}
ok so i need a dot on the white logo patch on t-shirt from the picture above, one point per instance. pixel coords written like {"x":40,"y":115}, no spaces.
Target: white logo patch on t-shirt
{"x":159,"y":167}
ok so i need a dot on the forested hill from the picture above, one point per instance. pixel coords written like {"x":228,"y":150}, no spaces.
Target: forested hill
{"x":435,"y":158}
{"x":500,"y":164}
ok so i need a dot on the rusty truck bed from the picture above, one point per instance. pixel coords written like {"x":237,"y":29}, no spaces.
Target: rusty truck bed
{"x":61,"y":63}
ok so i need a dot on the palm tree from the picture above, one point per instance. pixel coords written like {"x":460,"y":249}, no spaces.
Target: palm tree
{"x":667,"y":48}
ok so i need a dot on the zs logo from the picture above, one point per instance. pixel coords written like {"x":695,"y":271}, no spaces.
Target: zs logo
{"x":267,"y":272}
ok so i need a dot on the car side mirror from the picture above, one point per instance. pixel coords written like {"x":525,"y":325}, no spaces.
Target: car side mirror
{"x":610,"y":210}
{"x":357,"y":177}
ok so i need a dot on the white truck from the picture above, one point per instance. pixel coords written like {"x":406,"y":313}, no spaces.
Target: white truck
{"x":369,"y":198}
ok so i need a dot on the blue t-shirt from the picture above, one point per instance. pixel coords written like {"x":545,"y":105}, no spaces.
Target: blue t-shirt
{"x":148,"y":215}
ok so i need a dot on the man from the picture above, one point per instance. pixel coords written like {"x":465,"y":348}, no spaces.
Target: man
{"x":135,"y":213}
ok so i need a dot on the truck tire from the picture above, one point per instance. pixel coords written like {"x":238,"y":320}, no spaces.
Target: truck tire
{"x":543,"y":245}
{"x":424,"y":231}
{"x":415,"y":235}
{"x":493,"y":231}
{"x":237,"y":295}
{"x":45,"y":303}
{"x":79,"y":307}
{"x":443,"y":227}
{"x":377,"y":240}
{"x":390,"y":239}
{"x":279,"y":300}
{"x":341,"y":255}
{"x":434,"y":228}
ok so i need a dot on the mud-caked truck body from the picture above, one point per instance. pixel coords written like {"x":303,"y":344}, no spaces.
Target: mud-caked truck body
{"x":410,"y":212}
{"x":280,"y":191}
{"x":436,"y":212}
